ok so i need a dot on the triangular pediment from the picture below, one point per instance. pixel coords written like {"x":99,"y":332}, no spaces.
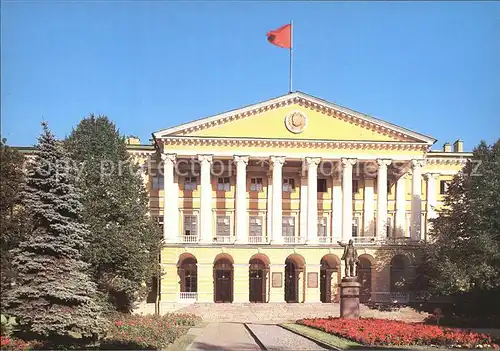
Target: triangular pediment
{"x":296,"y":116}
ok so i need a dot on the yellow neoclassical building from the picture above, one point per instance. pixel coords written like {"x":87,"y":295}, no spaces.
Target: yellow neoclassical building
{"x":254,"y":201}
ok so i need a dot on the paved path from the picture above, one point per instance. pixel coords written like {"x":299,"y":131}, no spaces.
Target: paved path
{"x":224,"y":337}
{"x":235,"y":336}
{"x":277,"y":338}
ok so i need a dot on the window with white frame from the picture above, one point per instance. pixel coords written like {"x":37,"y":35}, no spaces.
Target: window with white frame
{"x":156,"y":182}
{"x":355,"y":226}
{"x":223,"y":184}
{"x":288,"y":226}
{"x":255,"y":226}
{"x":389,"y":227}
{"x":223,"y":226}
{"x":190,"y":225}
{"x":443,"y":186}
{"x":288,"y":185}
{"x":255,"y":184}
{"x":322,"y":222}
{"x":190,"y":183}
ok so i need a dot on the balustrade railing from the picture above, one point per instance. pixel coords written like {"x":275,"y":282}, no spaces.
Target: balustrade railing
{"x":257,"y":239}
{"x":293,"y":239}
{"x":189,"y":238}
{"x":224,"y":239}
{"x":188,"y":296}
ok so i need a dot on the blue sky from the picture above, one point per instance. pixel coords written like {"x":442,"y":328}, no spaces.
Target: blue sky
{"x":433,"y":67}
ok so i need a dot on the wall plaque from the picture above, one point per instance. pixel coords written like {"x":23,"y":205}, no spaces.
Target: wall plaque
{"x":277,"y":279}
{"x":312,"y":280}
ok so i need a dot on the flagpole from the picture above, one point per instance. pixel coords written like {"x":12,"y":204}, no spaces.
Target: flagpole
{"x":291,"y":55}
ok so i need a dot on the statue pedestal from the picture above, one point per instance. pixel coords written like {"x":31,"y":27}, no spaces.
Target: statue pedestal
{"x":349,"y":298}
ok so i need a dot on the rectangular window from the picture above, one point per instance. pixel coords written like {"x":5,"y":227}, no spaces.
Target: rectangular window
{"x":389,"y":227}
{"x":322,"y":226}
{"x":288,"y":185}
{"x":443,"y":186}
{"x":255,"y":184}
{"x":321,"y":185}
{"x":355,"y":226}
{"x":223,"y":184}
{"x":156,"y":182}
{"x":255,"y":228}
{"x":190,"y":225}
{"x":288,"y":226}
{"x":355,"y":187}
{"x":223,"y":227}
{"x":190,"y":183}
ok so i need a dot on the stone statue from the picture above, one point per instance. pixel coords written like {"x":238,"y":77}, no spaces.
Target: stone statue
{"x":351,"y":258}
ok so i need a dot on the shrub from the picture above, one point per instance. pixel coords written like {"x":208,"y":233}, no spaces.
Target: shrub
{"x":147,"y":332}
{"x":372,"y":332}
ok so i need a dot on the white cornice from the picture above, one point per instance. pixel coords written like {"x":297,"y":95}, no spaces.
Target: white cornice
{"x":293,"y":143}
{"x":307,"y":101}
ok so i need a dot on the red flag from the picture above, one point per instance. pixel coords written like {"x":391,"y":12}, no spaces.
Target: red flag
{"x":281,"y":37}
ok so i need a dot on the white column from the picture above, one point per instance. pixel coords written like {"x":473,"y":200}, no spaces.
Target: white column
{"x":432,"y":194}
{"x":303,"y":207}
{"x":312,"y":199}
{"x":401,"y":207}
{"x":277,"y":233}
{"x":170,"y":198}
{"x":241,"y":199}
{"x":382,"y":197}
{"x":368,"y":208}
{"x":336,"y":209}
{"x":269,"y":224}
{"x":432,"y":179}
{"x":416,"y":199}
{"x":347,"y":164}
{"x":206,"y":199}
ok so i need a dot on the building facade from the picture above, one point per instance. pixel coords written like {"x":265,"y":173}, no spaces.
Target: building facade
{"x":254,"y":202}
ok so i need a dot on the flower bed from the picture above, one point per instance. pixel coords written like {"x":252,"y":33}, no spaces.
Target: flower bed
{"x":146,"y":332}
{"x":377,"y":332}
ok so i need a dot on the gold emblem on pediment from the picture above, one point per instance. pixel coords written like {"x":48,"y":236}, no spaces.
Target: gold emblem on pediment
{"x":296,"y":122}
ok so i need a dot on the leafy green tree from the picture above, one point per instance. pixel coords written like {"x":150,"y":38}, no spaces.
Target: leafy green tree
{"x":125,"y":241}
{"x":53,"y":296}
{"x":12,"y":214}
{"x":463,"y":258}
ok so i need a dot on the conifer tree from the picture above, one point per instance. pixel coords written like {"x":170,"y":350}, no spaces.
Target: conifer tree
{"x":12,"y":213}
{"x":125,"y":241}
{"x":53,"y":296}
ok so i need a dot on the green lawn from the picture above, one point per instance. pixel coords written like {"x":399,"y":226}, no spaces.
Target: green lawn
{"x":333,"y":341}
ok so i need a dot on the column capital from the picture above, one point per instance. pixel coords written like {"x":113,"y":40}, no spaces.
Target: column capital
{"x":348,"y":162}
{"x":240,"y":159}
{"x":312,"y":161}
{"x":169,"y":157}
{"x":383,"y":162}
{"x":277,"y":160}
{"x":206,"y":158}
{"x":417,"y":163}
{"x":431,"y":176}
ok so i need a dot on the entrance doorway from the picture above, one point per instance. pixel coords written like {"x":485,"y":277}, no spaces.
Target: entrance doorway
{"x":257,"y":281}
{"x":294,"y":266}
{"x":223,"y":276}
{"x":365,"y":278}
{"x":329,"y":279}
